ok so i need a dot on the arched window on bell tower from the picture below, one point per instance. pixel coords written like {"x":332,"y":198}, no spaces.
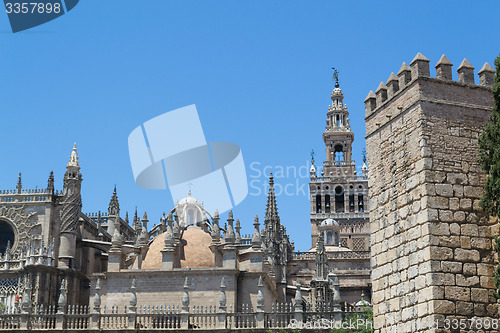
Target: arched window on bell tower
{"x":329,"y":240}
{"x":318,"y":203}
{"x":339,"y":153}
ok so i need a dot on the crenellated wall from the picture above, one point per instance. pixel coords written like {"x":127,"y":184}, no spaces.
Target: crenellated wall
{"x":432,"y":258}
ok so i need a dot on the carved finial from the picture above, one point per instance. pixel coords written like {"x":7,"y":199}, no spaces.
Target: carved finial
{"x":222,"y":297}
{"x":260,"y":295}
{"x":185,"y":296}
{"x":298,"y":296}
{"x":19,"y":186}
{"x":114,"y":205}
{"x":256,"y":239}
{"x":229,"y":236}
{"x":50,"y":183}
{"x":62,"y":296}
{"x":133,"y":297}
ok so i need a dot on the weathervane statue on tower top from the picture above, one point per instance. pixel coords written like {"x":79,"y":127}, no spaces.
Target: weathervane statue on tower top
{"x":335,"y":77}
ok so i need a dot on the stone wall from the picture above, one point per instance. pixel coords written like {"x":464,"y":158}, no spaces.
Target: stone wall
{"x":431,"y":245}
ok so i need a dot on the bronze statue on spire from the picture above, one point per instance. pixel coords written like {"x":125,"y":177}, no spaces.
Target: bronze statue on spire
{"x":335,"y":77}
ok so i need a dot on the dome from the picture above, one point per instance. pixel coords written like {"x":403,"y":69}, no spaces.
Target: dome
{"x":189,"y":200}
{"x":329,"y":222}
{"x":190,"y":211}
{"x":363,"y":303}
{"x":197,"y":253}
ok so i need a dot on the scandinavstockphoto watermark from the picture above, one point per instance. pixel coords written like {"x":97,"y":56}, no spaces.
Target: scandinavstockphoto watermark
{"x":170,"y":152}
{"x":290,"y":180}
{"x":27,"y":14}
{"x":351,"y":324}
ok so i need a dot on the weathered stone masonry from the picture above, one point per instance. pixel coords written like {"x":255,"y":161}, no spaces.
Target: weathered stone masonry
{"x":431,"y":245}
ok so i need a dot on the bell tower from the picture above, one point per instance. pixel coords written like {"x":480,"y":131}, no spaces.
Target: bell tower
{"x":339,"y":194}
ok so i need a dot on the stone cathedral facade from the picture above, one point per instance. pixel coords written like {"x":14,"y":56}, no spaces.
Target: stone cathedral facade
{"x":49,"y":247}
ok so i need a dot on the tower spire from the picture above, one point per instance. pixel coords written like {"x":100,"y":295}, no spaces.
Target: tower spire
{"x":73,"y":158}
{"x":114,"y":206}
{"x":271,"y":208}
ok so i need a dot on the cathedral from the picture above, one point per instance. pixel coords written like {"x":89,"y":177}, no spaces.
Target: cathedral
{"x":49,"y":246}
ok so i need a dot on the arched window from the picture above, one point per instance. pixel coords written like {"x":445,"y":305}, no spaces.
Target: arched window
{"x":318,"y":203}
{"x":339,"y":153}
{"x":6,"y":236}
{"x":329,"y":238}
{"x":339,"y":199}
{"x":327,"y":203}
{"x":336,"y":239}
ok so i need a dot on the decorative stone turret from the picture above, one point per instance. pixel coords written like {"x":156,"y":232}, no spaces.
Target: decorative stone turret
{"x":136,"y":224}
{"x":370,"y":102}
{"x":19,"y":186}
{"x":392,"y":85}
{"x":443,"y":68}
{"x":70,"y":211}
{"x":229,"y":236}
{"x":215,"y":229}
{"x":26,"y":305}
{"x":420,"y":66}
{"x":168,"y":252}
{"x":466,"y":72}
{"x":381,"y":93}
{"x":144,"y":236}
{"x":404,"y":75}
{"x":229,"y":251}
{"x":256,"y":239}
{"x":486,"y":75}
{"x":50,"y":183}
{"x":237,"y":235}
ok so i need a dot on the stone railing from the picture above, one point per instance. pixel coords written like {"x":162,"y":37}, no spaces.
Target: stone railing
{"x":333,"y":255}
{"x":161,"y":317}
{"x":353,"y":215}
{"x":27,"y":195}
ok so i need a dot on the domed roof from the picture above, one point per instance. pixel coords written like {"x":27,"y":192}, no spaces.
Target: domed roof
{"x":197,"y":253}
{"x":189,"y":200}
{"x":362,"y":303}
{"x":328,"y":222}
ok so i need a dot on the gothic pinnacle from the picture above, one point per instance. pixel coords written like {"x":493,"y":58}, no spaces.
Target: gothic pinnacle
{"x":73,"y":158}
{"x":19,"y":186}
{"x":114,"y":206}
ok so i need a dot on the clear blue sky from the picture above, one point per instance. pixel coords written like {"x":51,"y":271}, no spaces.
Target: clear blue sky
{"x":258,"y":72}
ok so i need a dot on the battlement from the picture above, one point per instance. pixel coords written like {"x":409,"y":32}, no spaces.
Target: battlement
{"x":419,"y":69}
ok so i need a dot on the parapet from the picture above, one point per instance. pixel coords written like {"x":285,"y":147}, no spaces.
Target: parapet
{"x":419,"y":67}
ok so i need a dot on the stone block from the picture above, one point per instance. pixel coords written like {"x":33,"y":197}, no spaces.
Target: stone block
{"x":467,"y":255}
{"x":442,"y":307}
{"x":479,"y":295}
{"x":455,"y":229}
{"x":471,"y":281}
{"x":465,"y":203}
{"x":439,"y":228}
{"x":464,"y":308}
{"x":487,"y":282}
{"x":469,"y":230}
{"x":452,"y":267}
{"x":473,"y":191}
{"x":485,"y":269}
{"x":469,"y":269}
{"x":445,"y":190}
{"x":457,"y":293}
{"x":441,"y":253}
